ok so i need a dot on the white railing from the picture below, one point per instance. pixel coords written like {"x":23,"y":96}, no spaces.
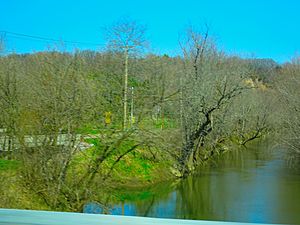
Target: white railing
{"x":25,"y":217}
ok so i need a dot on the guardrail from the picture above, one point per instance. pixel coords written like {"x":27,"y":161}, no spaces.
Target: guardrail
{"x":7,"y":145}
{"x":26,"y":217}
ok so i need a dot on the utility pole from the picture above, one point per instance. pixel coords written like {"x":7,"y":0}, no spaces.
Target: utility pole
{"x":131,"y":108}
{"x":125,"y":89}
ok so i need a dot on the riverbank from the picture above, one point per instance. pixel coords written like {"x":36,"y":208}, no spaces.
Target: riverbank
{"x":136,"y":176}
{"x":137,"y":171}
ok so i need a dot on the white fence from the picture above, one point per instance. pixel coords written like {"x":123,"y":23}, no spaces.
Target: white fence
{"x":25,"y":217}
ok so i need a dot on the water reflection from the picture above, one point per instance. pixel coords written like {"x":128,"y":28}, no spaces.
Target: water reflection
{"x":253,"y":185}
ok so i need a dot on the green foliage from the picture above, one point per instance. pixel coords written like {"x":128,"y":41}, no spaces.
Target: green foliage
{"x":9,"y":165}
{"x":159,"y":123}
{"x":166,"y":123}
{"x":88,"y":129}
{"x":135,"y":166}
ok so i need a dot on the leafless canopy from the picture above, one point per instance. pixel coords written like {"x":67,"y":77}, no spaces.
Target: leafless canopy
{"x":126,"y":35}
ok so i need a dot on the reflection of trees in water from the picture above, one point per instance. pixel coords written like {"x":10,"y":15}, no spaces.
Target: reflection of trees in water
{"x":145,"y":208}
{"x":288,"y":198}
{"x":250,"y":185}
{"x":194,"y":199}
{"x":242,"y":158}
{"x":293,"y":160}
{"x":267,"y":194}
{"x":158,"y":203}
{"x":216,"y":190}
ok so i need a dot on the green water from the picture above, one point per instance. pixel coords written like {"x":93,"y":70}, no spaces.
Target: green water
{"x":251,"y":185}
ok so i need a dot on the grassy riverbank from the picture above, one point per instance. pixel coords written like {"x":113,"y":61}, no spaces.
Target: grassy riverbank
{"x":137,"y":171}
{"x":134,"y":177}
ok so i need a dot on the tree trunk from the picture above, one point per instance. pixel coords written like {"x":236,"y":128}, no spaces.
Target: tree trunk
{"x":125,"y":90}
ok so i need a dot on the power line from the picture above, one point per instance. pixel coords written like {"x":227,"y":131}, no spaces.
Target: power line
{"x":19,"y":35}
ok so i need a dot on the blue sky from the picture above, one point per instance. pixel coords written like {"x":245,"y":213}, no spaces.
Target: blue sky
{"x":260,"y":28}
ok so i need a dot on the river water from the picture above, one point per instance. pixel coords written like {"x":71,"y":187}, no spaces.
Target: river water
{"x":247,"y":185}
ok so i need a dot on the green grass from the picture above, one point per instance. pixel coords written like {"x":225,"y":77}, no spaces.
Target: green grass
{"x":167,"y":123}
{"x":137,"y":166}
{"x":88,"y":129}
{"x":6,"y":165}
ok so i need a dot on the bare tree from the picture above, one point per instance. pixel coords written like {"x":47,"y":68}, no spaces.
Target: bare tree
{"x":128,"y":37}
{"x":9,"y":100}
{"x":287,"y":85}
{"x":210,"y":82}
{"x":56,"y":103}
{"x":2,"y":46}
{"x":61,"y":100}
{"x":249,"y":117}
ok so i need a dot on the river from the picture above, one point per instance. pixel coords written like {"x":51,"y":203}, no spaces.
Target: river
{"x":246,"y":185}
